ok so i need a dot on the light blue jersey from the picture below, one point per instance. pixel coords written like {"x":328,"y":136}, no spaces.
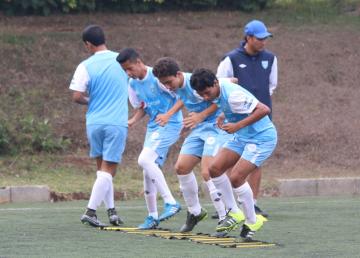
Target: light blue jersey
{"x":231,"y":93}
{"x":107,"y":89}
{"x":192,"y":101}
{"x":157,"y":100}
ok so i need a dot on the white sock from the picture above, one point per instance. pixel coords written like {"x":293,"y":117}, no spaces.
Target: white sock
{"x":222,"y":183}
{"x":147,"y":160}
{"x":109,"y":196}
{"x":190,"y":191}
{"x":245,"y":196}
{"x":215,"y":197}
{"x":99,"y":190}
{"x":150,"y":194}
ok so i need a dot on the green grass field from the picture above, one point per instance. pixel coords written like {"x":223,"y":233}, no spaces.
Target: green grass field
{"x":303,"y":227}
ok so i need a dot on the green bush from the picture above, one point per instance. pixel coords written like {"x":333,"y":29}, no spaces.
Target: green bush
{"x":46,"y":7}
{"x":36,"y":136}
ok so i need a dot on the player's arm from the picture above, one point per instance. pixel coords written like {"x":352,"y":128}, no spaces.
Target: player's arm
{"x":163,"y":119}
{"x":79,"y":84}
{"x":139,"y":114}
{"x":259,"y":112}
{"x":194,"y":118}
{"x":273,"y":79}
{"x":80,"y":98}
{"x":138,"y":105}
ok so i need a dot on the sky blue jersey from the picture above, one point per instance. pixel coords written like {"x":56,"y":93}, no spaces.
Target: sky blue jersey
{"x":237,"y":103}
{"x":192,"y":101}
{"x":157,"y":100}
{"x":107,"y":89}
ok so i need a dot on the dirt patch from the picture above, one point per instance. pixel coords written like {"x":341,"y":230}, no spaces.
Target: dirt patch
{"x":316,"y":105}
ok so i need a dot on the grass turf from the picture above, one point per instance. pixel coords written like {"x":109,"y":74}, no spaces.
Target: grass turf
{"x":304,"y":227}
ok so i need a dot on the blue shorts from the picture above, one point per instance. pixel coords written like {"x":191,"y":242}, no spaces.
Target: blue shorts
{"x":204,"y":140}
{"x":107,"y":141}
{"x":160,"y":139}
{"x":254,"y":150}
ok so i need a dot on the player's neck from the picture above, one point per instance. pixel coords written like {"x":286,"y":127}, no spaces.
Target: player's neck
{"x":143,"y":72}
{"x":249,"y":50}
{"x":99,"y":48}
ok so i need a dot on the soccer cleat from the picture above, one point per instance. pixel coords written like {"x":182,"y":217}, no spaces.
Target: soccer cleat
{"x":90,"y":218}
{"x":169,"y":211}
{"x":149,"y":223}
{"x":114,"y":219}
{"x":248,"y":230}
{"x":231,"y":221}
{"x":192,"y":220}
{"x":260,"y":211}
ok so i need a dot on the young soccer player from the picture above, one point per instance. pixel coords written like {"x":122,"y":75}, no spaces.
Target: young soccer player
{"x":254,"y":140}
{"x":148,"y":97}
{"x":200,"y":145}
{"x":101,"y":83}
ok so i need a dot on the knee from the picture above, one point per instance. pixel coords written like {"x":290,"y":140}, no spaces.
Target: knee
{"x":180,"y":169}
{"x":143,"y":161}
{"x":215,"y":170}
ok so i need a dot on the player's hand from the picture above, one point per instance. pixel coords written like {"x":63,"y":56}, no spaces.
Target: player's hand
{"x":192,"y":120}
{"x":230,"y":127}
{"x":131,"y":122}
{"x":162,"y":119}
{"x":234,"y":80}
{"x":220,"y":120}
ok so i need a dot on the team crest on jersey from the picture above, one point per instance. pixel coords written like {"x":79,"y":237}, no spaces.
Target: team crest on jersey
{"x":153,"y":89}
{"x":265,"y":64}
{"x":242,"y":65}
{"x":210,"y":140}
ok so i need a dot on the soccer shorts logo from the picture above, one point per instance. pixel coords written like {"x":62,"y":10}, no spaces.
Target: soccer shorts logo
{"x":155,"y":135}
{"x":251,"y":147}
{"x":210,"y":140}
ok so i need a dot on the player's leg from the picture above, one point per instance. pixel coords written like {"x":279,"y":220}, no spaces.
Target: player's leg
{"x":150,"y":194}
{"x":215,"y":194}
{"x":224,"y":160}
{"x":254,"y":181}
{"x":253,"y":155}
{"x":156,"y":147}
{"x":189,"y":188}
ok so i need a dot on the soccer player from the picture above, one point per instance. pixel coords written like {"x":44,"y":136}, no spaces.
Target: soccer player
{"x":101,"y":83}
{"x":256,"y":71}
{"x":200,"y":145}
{"x":148,"y":97}
{"x":254,"y":140}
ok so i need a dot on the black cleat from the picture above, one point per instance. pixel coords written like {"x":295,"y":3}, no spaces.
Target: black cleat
{"x":192,"y":220}
{"x":114,"y":219}
{"x":260,"y":211}
{"x":90,"y":218}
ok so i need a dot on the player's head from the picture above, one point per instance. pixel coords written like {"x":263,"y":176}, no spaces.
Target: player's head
{"x":131,"y":62}
{"x":167,"y":70}
{"x":256,"y":34}
{"x":205,"y":83}
{"x":94,"y":35}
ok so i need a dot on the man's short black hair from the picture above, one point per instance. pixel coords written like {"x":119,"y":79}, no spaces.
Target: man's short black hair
{"x":127,"y":54}
{"x":201,"y":79}
{"x":165,"y":66}
{"x":94,"y":34}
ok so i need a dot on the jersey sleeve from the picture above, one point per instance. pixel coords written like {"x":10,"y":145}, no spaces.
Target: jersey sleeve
{"x":80,"y":79}
{"x":242,"y":103}
{"x":273,"y":80}
{"x":134,"y":100}
{"x":225,"y":69}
